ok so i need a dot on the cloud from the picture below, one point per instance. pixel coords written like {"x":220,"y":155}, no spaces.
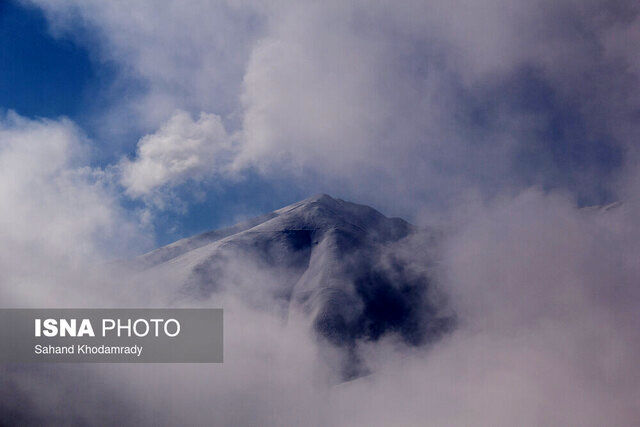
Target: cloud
{"x":58,"y":215}
{"x":488,"y":96}
{"x":546,"y":294}
{"x":177,"y":56}
{"x":547,"y":299}
{"x":182,"y":149}
{"x":491,"y":97}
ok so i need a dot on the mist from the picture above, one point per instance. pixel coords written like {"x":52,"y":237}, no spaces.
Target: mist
{"x":545,"y":300}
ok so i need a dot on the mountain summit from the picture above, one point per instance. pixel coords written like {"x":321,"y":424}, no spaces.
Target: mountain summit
{"x":355,"y":274}
{"x":319,"y":213}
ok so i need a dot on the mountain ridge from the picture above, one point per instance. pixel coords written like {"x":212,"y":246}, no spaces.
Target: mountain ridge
{"x":353,"y":273}
{"x":177,"y":248}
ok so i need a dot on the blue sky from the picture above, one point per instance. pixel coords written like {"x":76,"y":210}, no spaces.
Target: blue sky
{"x":41,"y":76}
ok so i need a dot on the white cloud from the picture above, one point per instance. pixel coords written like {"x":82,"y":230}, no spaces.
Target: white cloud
{"x":374,"y":98}
{"x":187,"y":55}
{"x":180,"y":150}
{"x":57,"y":214}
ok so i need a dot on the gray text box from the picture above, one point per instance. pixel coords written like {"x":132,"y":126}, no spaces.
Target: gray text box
{"x":199,"y":340}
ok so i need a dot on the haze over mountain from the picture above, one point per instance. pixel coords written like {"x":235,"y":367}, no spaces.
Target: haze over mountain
{"x":353,"y":273}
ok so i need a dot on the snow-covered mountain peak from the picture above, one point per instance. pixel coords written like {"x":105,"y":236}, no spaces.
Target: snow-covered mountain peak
{"x":350,"y":271}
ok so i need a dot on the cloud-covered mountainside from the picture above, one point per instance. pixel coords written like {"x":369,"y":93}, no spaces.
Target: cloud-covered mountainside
{"x":342,"y":266}
{"x":546,"y":329}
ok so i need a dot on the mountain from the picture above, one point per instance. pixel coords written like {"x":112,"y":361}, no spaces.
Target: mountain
{"x":355,"y":274}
